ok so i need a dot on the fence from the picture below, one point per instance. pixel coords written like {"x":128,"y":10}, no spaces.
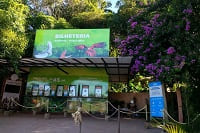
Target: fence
{"x":78,"y":114}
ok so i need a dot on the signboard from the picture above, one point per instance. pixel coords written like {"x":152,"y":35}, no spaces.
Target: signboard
{"x":85,"y":91}
{"x":156,"y":99}
{"x":71,"y":43}
{"x":98,"y":91}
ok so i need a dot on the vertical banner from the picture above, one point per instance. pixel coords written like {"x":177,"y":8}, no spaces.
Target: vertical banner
{"x":156,"y":99}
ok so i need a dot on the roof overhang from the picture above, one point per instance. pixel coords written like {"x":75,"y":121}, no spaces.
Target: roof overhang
{"x":118,"y":68}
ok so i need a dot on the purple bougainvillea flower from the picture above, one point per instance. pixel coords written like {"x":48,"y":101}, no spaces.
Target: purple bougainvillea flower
{"x":187,"y":27}
{"x":140,"y":57}
{"x":193,"y":61}
{"x":136,"y":52}
{"x":171,"y":50}
{"x":158,"y":61}
{"x":167,"y":68}
{"x":150,"y":45}
{"x":156,"y":16}
{"x":137,"y":62}
{"x":147,"y":50}
{"x":187,"y":11}
{"x":135,"y":68}
{"x":147,"y":29}
{"x":178,"y":58}
{"x":153,"y":21}
{"x":130,"y":52}
{"x":133,"y":24}
{"x":131,"y":19}
{"x":117,"y":40}
{"x":123,"y":42}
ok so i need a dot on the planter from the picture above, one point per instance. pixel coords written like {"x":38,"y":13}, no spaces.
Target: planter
{"x":47,"y":116}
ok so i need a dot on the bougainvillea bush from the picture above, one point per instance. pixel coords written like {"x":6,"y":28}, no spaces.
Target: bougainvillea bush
{"x":163,"y":44}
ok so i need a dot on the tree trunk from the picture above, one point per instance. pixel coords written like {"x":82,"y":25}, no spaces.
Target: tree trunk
{"x":180,"y":107}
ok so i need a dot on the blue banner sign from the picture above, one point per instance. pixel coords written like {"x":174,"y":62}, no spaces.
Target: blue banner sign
{"x":156,"y":99}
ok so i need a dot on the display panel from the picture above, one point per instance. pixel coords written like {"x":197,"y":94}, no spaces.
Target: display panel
{"x":35,"y":90}
{"x":53,"y":90}
{"x":65,"y":93}
{"x":98,"y":91}
{"x":47,"y":89}
{"x":72,"y":90}
{"x":71,"y":43}
{"x":85,"y":91}
{"x":41,"y":90}
{"x":60,"y":90}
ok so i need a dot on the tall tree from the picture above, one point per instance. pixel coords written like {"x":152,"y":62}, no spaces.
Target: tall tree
{"x":13,"y":40}
{"x":164,"y":41}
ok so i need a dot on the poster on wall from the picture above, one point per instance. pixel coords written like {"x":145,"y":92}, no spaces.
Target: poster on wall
{"x":98,"y":91}
{"x":35,"y":90}
{"x":65,"y":90}
{"x":85,"y":91}
{"x":72,"y":90}
{"x":41,"y":90}
{"x":71,"y":43}
{"x":53,"y":90}
{"x":60,"y":90}
{"x":47,"y":90}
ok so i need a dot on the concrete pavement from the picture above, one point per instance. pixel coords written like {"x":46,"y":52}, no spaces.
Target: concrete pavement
{"x":27,"y":123}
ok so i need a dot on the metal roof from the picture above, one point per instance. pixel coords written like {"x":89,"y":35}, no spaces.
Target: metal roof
{"x":118,"y":68}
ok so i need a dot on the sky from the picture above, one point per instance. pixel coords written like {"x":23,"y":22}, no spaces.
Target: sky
{"x":113,"y":8}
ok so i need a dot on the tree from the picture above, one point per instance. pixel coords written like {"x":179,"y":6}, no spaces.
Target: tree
{"x":42,"y":21}
{"x":49,"y":7}
{"x":13,"y":40}
{"x":164,"y":42}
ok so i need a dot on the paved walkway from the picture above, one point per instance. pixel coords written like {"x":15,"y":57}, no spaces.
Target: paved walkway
{"x":27,"y":123}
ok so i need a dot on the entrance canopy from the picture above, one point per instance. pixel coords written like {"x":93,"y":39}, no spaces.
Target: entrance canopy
{"x":118,"y":68}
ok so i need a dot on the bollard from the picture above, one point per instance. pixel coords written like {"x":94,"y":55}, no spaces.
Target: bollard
{"x":118,"y":119}
{"x":34,"y":112}
{"x":80,"y":126}
{"x":163,"y":120}
{"x":65,"y":114}
{"x":146,"y":113}
{"x":47,"y":116}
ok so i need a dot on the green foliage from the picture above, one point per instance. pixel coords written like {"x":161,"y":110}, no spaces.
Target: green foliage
{"x":62,"y":24}
{"x":139,"y":83}
{"x":13,"y":44}
{"x":173,"y":128}
{"x":13,"y":15}
{"x":118,"y":87}
{"x":42,"y":21}
{"x":13,"y":40}
{"x":96,"y":19}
